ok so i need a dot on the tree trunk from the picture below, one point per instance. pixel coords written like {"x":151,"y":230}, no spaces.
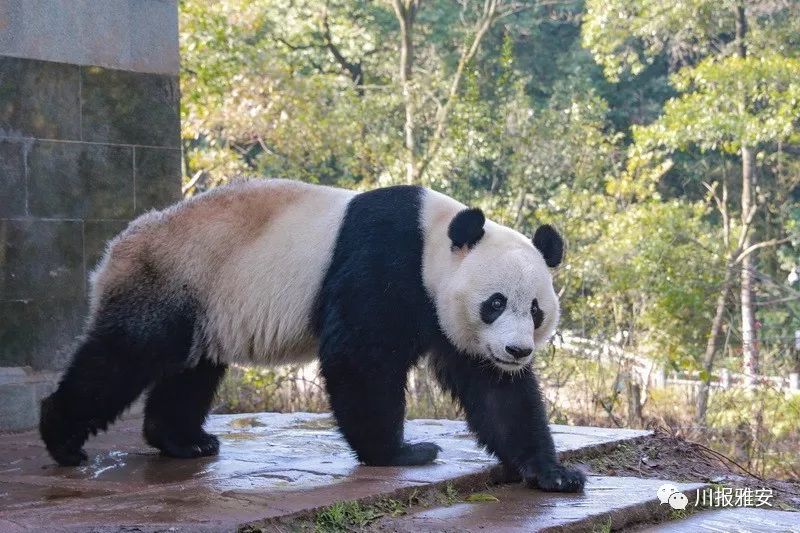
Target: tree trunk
{"x":711,"y":344}
{"x":634,"y":402}
{"x":749,"y":333}
{"x":406,"y":11}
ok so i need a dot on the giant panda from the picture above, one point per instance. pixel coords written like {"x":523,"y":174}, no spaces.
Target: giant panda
{"x":272,"y":272}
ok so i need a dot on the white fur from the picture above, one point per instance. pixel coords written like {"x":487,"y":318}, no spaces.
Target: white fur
{"x":503,"y":261}
{"x":261,"y":308}
{"x":254,"y":255}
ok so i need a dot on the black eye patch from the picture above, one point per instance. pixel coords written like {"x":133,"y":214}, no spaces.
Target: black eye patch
{"x":493,"y":307}
{"x":537,"y":314}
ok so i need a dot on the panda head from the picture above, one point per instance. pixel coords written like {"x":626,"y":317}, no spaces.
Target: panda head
{"x":499,"y":302}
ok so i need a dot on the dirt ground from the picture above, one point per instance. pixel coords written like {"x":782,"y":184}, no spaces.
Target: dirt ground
{"x":667,"y":457}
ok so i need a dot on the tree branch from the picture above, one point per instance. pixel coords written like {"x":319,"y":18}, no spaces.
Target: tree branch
{"x":490,"y":13}
{"x":354,"y":69}
{"x":764,"y":244}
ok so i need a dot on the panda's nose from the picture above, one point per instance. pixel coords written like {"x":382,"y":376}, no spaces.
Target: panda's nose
{"x":517,"y":352}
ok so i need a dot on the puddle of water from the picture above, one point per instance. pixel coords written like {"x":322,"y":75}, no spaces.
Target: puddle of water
{"x":315,"y":424}
{"x":246,"y":422}
{"x":239,"y":436}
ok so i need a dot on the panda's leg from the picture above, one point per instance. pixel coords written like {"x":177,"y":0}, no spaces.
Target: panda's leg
{"x":133,"y":341}
{"x":177,"y":407}
{"x":508,"y":415}
{"x":367,"y":394}
{"x":98,"y":385}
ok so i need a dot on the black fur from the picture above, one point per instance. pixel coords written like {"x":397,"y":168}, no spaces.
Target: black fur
{"x":374,"y":320}
{"x":466,"y":228}
{"x":493,"y":307}
{"x":538,"y":314}
{"x":176,"y":410}
{"x":140,"y":338}
{"x":550,"y":243}
{"x":507,"y":414}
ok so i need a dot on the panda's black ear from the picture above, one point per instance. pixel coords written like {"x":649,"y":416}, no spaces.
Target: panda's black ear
{"x":549,"y":242}
{"x":466,"y":227}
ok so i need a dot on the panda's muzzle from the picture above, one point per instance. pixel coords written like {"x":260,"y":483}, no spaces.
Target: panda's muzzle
{"x":504,"y":362}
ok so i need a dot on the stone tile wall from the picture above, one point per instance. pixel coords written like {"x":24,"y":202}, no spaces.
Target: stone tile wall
{"x":83,"y":150}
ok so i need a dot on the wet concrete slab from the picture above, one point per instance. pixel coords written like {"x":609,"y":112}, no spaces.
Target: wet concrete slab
{"x":734,"y":520}
{"x":269,"y":465}
{"x":608,"y":503}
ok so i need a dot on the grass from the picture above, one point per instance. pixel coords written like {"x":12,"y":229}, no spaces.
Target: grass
{"x":345,"y":516}
{"x":353,"y":515}
{"x":605,"y":527}
{"x":448,"y":496}
{"x":356,"y":516}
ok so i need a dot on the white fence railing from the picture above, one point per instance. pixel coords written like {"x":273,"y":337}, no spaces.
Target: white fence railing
{"x":653,"y":374}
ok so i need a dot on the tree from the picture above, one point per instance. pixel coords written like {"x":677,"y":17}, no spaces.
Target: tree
{"x":731,"y":101}
{"x":476,"y":20}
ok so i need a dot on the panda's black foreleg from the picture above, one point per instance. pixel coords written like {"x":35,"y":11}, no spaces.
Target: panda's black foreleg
{"x":367,"y":395}
{"x":177,"y":407}
{"x":507,"y":413}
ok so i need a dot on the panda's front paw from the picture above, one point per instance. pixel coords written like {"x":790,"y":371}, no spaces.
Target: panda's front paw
{"x":420,"y":453}
{"x":554,"y":478}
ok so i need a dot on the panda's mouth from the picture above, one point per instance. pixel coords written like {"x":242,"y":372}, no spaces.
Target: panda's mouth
{"x":502,"y":363}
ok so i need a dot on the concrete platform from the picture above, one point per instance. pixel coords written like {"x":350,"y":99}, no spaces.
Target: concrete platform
{"x":608,"y":503}
{"x":270,"y":465}
{"x":733,"y":520}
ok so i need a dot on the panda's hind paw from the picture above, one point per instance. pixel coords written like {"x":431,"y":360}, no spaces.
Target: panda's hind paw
{"x":199,"y":444}
{"x":66,"y":456}
{"x":420,"y":453}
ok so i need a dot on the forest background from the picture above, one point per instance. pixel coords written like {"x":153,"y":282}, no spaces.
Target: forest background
{"x":661,"y":138}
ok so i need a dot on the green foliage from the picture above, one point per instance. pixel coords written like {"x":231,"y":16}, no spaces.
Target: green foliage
{"x":645,"y":268}
{"x":730,"y":102}
{"x":262,"y":94}
{"x":604,"y":117}
{"x":728,"y":92}
{"x":626,"y":36}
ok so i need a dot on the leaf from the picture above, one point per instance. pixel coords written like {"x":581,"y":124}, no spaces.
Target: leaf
{"x":481,"y":497}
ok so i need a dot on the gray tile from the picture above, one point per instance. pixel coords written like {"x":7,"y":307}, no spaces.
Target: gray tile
{"x":39,"y":99}
{"x":40,"y":333}
{"x":18,"y":406}
{"x":12,"y":178}
{"x":41,"y":259}
{"x":80,"y":180}
{"x":129,"y":107}
{"x":158,"y":178}
{"x":124,"y":34}
{"x":96,"y":235}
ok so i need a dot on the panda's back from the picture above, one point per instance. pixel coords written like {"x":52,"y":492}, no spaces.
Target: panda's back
{"x":252,"y":254}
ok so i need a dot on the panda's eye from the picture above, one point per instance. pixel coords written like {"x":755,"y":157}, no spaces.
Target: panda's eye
{"x":493,"y":307}
{"x":536,"y":313}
